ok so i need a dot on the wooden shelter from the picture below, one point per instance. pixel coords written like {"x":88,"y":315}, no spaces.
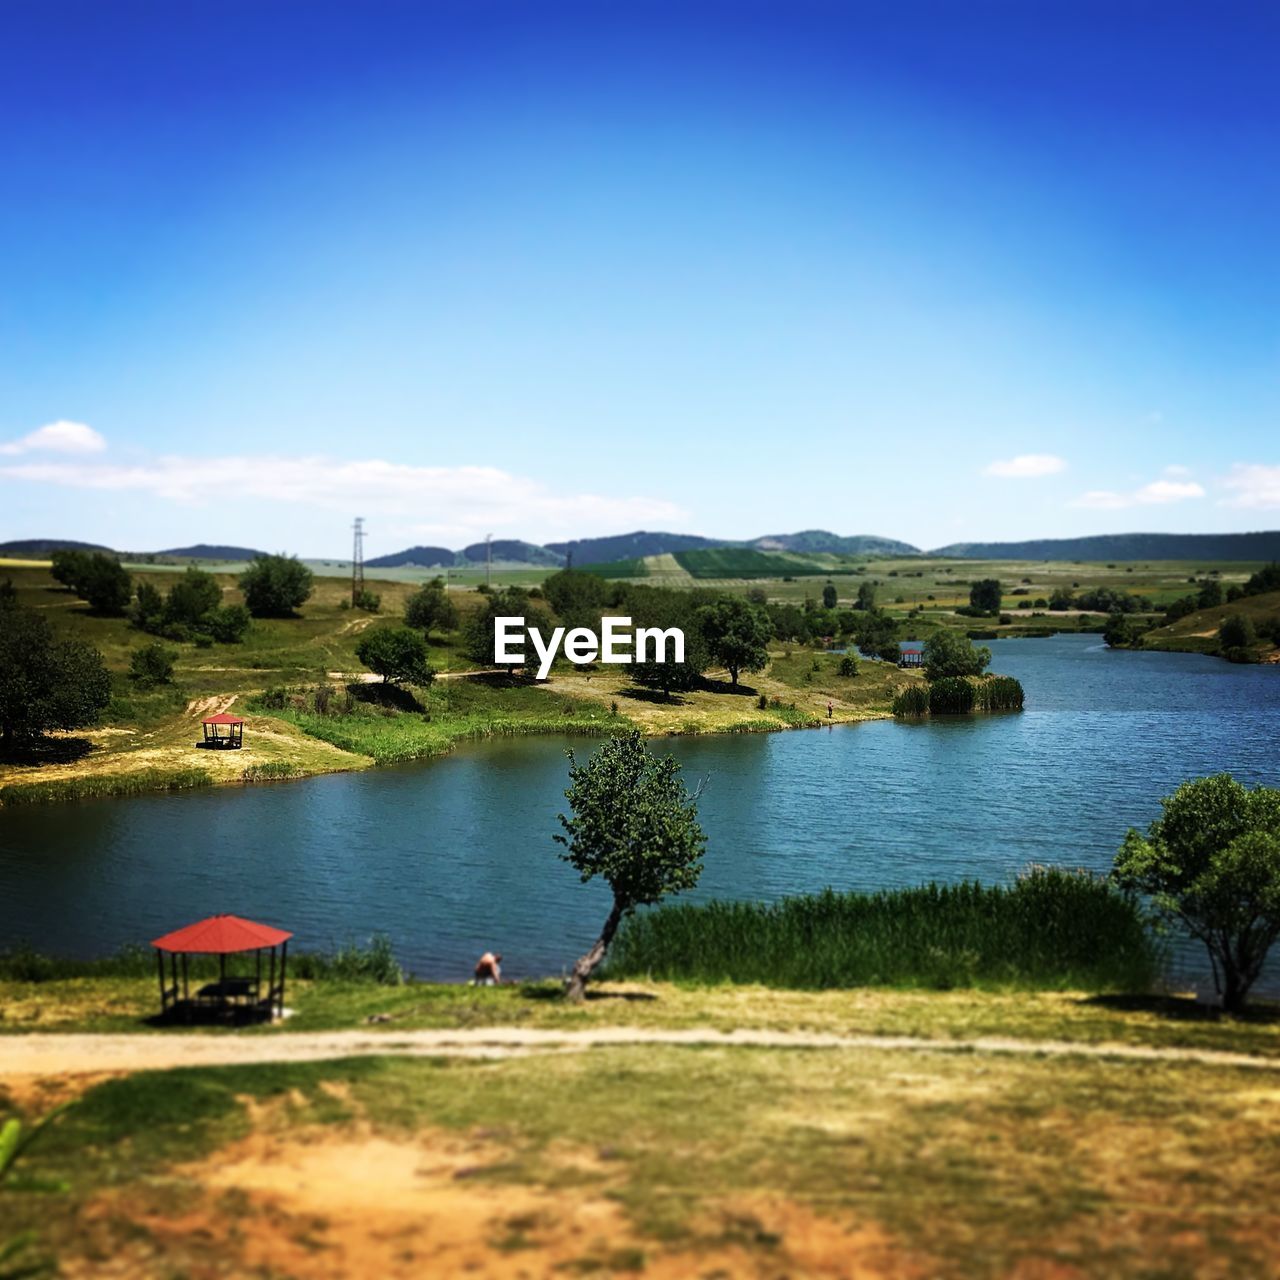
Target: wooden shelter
{"x":232,"y":995}
{"x":224,"y":730}
{"x":911,"y":658}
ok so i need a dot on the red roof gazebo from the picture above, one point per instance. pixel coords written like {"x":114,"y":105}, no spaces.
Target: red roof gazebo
{"x":214,"y":726}
{"x":223,"y":936}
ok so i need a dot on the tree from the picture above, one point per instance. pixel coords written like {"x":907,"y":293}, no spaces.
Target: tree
{"x":736,"y":634}
{"x":429,"y":608}
{"x":1211,"y":862}
{"x":100,"y":579}
{"x":866,"y":596}
{"x":951,"y":653}
{"x":634,"y":825}
{"x":68,"y":567}
{"x":397,"y":654}
{"x":151,"y":665}
{"x":576,"y":597}
{"x":148,"y":607}
{"x":1209,"y":595}
{"x":829,"y":596}
{"x":1119,"y":632}
{"x":274,"y":586}
{"x":1061,"y":599}
{"x":985,"y":595}
{"x":478,"y":640}
{"x":666,"y":609}
{"x":194,"y":595}
{"x":1237,"y":632}
{"x":46,"y":683}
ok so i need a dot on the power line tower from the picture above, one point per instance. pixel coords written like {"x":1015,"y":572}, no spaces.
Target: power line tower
{"x":357,"y":560}
{"x":488,"y":559}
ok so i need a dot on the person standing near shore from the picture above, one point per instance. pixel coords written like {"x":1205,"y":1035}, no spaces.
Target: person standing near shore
{"x":488,"y":971}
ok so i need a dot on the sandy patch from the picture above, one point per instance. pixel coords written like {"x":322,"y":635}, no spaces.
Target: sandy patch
{"x":330,"y":1206}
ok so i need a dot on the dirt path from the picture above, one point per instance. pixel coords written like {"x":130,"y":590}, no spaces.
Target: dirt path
{"x":72,"y":1054}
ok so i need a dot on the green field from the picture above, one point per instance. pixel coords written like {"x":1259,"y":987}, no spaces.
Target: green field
{"x":742,"y":562}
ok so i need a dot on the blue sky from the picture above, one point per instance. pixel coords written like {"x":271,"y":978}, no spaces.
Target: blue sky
{"x":938,"y":272}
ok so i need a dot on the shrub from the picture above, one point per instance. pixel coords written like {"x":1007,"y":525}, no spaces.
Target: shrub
{"x":151,"y":665}
{"x":1237,"y":632}
{"x":228,"y":624}
{"x":369,"y":601}
{"x":848,"y":665}
{"x":397,"y":654}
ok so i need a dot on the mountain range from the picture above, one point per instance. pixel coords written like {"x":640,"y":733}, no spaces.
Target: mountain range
{"x":632,"y":546}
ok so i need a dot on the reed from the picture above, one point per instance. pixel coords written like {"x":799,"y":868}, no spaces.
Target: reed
{"x":95,"y":786}
{"x":1050,"y":929}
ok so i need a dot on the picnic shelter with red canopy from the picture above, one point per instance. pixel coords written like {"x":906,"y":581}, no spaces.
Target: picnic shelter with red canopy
{"x":231,"y":995}
{"x":224,"y":730}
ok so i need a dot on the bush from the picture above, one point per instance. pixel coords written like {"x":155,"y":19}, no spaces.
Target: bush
{"x":951,"y":696}
{"x":228,"y":624}
{"x":1237,"y":632}
{"x":848,"y":665}
{"x":151,"y":665}
{"x":369,"y":601}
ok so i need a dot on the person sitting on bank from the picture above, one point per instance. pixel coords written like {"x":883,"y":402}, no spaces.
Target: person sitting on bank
{"x":489,"y":970}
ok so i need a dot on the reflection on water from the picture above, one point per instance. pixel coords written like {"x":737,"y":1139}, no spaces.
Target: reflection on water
{"x":456,"y":856}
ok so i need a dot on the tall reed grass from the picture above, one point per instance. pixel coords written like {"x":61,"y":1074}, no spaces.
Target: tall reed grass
{"x":94,"y":786}
{"x":1050,"y":929}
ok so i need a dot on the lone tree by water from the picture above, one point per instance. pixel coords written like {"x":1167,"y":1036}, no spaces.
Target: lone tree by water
{"x":635,"y":825}
{"x":1211,"y":863}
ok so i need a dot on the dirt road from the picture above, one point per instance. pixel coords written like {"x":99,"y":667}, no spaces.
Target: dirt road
{"x":71,"y":1054}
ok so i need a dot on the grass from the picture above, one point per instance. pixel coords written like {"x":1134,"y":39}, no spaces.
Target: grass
{"x":96,"y":785}
{"x":1049,"y":929}
{"x":1198,"y":632}
{"x":709,"y":1159}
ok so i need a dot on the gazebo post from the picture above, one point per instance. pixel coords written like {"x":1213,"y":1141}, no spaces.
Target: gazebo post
{"x":284,"y":964}
{"x":164,"y":995}
{"x":186,"y":990}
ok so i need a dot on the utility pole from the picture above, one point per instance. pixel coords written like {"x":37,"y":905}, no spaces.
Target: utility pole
{"x":488,"y":559}
{"x":357,"y":560}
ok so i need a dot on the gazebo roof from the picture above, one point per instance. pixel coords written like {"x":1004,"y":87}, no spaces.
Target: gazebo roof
{"x":224,"y":717}
{"x":221,"y":935}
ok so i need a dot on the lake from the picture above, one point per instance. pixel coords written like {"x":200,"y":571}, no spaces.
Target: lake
{"x":454,"y":857}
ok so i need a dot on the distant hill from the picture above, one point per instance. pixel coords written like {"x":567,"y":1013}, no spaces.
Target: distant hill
{"x":630,"y":546}
{"x":821,"y":540}
{"x":1126,"y":546}
{"x":512,"y":551}
{"x":418,"y":557}
{"x":21,"y":547}
{"x":207,"y":551}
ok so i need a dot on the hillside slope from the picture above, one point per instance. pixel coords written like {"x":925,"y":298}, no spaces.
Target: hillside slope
{"x":1126,"y":546}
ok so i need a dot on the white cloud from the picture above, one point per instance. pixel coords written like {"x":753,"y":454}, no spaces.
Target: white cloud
{"x":1255,"y":485}
{"x":465,"y":502}
{"x":58,"y":437}
{"x":1176,"y":471}
{"x":1026,"y":466}
{"x":1157,"y":493}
